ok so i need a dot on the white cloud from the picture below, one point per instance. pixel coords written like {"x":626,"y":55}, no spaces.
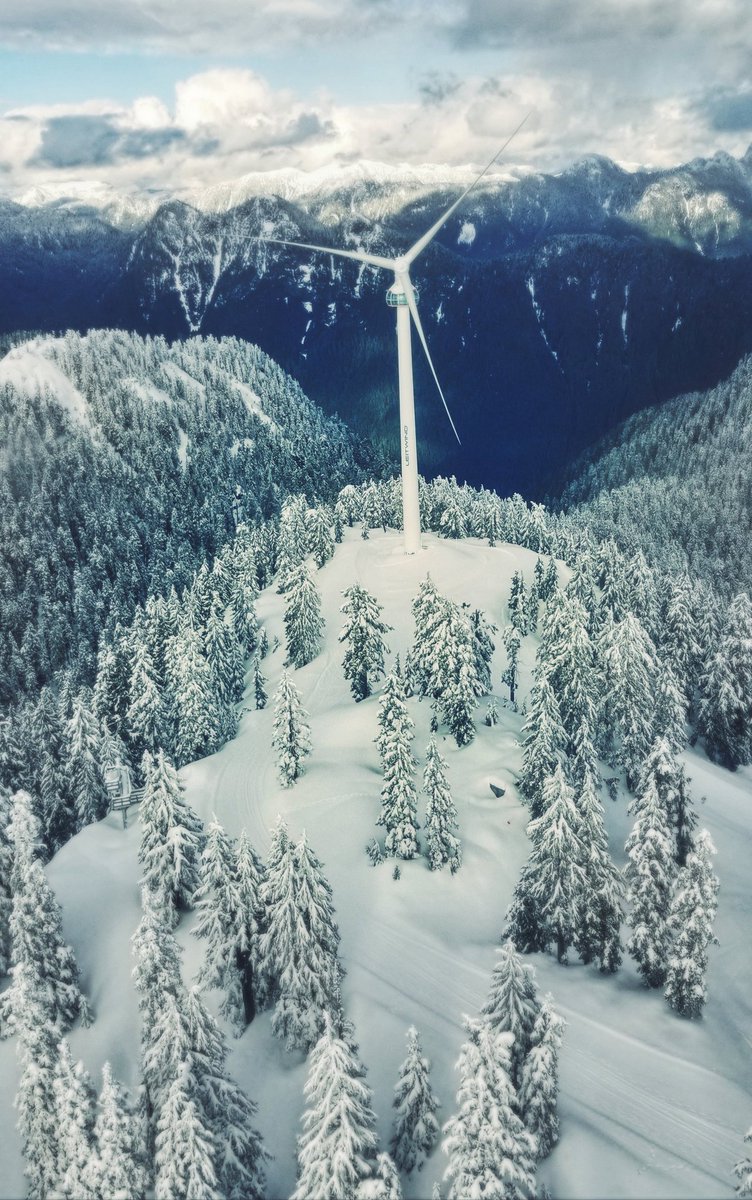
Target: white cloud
{"x":226,"y":122}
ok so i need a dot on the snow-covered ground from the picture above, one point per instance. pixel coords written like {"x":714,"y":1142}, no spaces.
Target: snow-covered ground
{"x":651,"y":1106}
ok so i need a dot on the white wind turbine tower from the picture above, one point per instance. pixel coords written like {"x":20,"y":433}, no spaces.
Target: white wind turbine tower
{"x":401,"y":295}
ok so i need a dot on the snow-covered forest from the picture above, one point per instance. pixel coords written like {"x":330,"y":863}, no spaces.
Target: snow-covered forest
{"x":435,"y":879}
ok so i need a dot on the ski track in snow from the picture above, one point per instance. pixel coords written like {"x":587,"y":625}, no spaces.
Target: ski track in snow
{"x":651,"y":1105}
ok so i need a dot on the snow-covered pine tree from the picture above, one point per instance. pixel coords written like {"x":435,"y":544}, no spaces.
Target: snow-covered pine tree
{"x":663,"y":768}
{"x":442,"y":844}
{"x":453,"y":676}
{"x":392,"y":706}
{"x":145,"y":716}
{"x":363,"y":633}
{"x":517,"y":604}
{"x":670,"y":710}
{"x":743,"y":1171}
{"x":249,"y":875}
{"x":650,"y":873}
{"x":597,"y":938}
{"x":303,"y":621}
{"x":384,"y":1184}
{"x":513,"y":1005}
{"x":292,"y":545}
{"x":427,"y":608}
{"x":320,"y":540}
{"x":543,"y":742}
{"x":224,"y":654}
{"x":227,"y":1111}
{"x":725,"y":711}
{"x":399,"y":802}
{"x":171,"y":838}
{"x":567,"y":657}
{"x":185,"y":1149}
{"x":491,"y":1154}
{"x":539,"y":1085}
{"x":292,"y":734}
{"x":680,"y":647}
{"x":629,"y":673}
{"x":690,"y":925}
{"x":193,"y":698}
{"x":484,"y":647}
{"x":337,"y":1148}
{"x":116,"y":1167}
{"x":555,"y":876}
{"x":44,"y":966}
{"x":259,"y":684}
{"x":36,"y":1101}
{"x":76,"y":1100}
{"x":299,"y":945}
{"x":218,"y":906}
{"x":415,"y":1130}
{"x":86,"y":782}
{"x":512,"y":640}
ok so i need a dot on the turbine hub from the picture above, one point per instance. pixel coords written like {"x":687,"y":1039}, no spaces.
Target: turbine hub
{"x":401,"y":266}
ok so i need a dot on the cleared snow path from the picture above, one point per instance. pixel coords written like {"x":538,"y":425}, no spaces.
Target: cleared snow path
{"x":652,"y":1106}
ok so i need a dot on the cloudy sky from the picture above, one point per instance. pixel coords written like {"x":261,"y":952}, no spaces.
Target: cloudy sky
{"x":166,"y":94}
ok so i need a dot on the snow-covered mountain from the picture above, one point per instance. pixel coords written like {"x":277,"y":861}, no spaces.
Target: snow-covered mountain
{"x":556,"y":305}
{"x":651,"y":1105}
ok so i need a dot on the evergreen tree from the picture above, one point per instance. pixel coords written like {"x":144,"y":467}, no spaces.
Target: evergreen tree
{"x":320,"y":540}
{"x":299,"y":945}
{"x":116,"y":1168}
{"x":171,"y":838}
{"x":144,"y":717}
{"x":453,"y":676}
{"x":392,"y":707}
{"x":512,"y":1005}
{"x":650,"y":872}
{"x":628,"y":700}
{"x":363,"y":633}
{"x":398,"y":795}
{"x":442,"y":845}
{"x":554,"y":878}
{"x":690,"y":925}
{"x":543,"y":743}
{"x":36,"y":1101}
{"x":337,"y":1148}
{"x":87,"y":784}
{"x":195,"y":702}
{"x":75,"y":1099}
{"x":218,"y":905}
{"x":384,"y":1183}
{"x":512,"y":640}
{"x":743,"y":1171}
{"x":663,"y":769}
{"x":185,"y":1148}
{"x":725,"y":711}
{"x":597,"y":936}
{"x":491,"y":1154}
{"x":259,"y":684}
{"x":224,"y":654}
{"x":291,"y":732}
{"x":416,"y":1130}
{"x":427,"y":607}
{"x":484,"y":647}
{"x":303,"y":621}
{"x":43,"y":964}
{"x":249,"y":874}
{"x":539,"y":1085}
{"x":517,"y":604}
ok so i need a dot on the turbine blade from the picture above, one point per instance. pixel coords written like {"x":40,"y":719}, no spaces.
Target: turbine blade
{"x":412,"y":305}
{"x":422,"y":242}
{"x":373,"y":260}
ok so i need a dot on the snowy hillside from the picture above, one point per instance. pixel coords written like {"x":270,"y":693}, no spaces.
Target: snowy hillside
{"x":652,"y":1105}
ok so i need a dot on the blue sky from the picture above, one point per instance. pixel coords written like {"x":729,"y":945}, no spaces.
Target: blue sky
{"x":166,"y":94}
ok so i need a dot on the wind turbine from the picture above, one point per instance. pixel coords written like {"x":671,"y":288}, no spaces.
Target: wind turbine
{"x":401,"y":296}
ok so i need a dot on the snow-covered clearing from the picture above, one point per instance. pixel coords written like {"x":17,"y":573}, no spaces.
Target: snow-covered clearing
{"x":29,"y":369}
{"x":652,"y":1105}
